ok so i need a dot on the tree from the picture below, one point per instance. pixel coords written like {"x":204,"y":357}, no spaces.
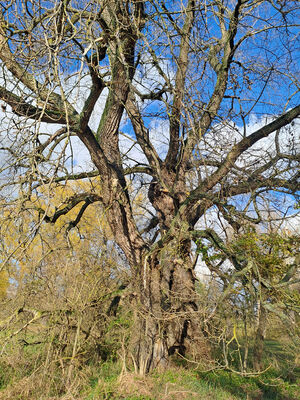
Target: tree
{"x":256,"y":270}
{"x":64,"y":289}
{"x":192,"y":73}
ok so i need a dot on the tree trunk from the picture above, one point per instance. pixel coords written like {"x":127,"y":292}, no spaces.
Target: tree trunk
{"x":165,"y":311}
{"x":258,"y":348}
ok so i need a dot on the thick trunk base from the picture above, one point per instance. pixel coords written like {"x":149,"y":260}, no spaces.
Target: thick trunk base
{"x":166,"y":316}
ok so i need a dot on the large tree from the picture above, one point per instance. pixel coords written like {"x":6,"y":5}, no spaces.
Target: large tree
{"x":180,"y":81}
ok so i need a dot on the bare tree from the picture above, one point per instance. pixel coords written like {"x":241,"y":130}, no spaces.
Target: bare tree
{"x":196,"y":69}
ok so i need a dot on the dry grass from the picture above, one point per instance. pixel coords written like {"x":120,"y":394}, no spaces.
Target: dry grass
{"x":131,"y":384}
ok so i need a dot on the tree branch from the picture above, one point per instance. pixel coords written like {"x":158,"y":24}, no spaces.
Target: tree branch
{"x":21,"y":108}
{"x":179,"y":89}
{"x":239,"y":148}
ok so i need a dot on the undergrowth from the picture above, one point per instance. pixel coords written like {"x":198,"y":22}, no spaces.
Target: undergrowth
{"x":25,"y":378}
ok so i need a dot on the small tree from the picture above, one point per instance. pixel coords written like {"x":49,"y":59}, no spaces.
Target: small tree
{"x":256,"y":271}
{"x":185,"y":75}
{"x":63,"y":292}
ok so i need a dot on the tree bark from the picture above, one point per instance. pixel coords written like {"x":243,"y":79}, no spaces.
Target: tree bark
{"x":258,"y":348}
{"x":165,"y":310}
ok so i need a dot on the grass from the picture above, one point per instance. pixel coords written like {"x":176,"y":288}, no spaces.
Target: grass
{"x":173,"y":384}
{"x":180,"y":383}
{"x":23,"y":376}
{"x":268,"y":386}
{"x":107,"y":383}
{"x":280,"y":381}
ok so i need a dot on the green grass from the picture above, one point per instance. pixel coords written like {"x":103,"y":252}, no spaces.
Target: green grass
{"x":280,"y":381}
{"x":175,"y":383}
{"x":268,"y":386}
{"x":106,"y":381}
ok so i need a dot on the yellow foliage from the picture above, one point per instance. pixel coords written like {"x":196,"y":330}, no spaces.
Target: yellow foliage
{"x":4,"y":284}
{"x":30,"y":240}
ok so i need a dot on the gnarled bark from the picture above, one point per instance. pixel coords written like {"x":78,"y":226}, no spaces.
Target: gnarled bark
{"x":165,"y":309}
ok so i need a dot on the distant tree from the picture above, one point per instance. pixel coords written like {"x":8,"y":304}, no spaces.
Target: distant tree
{"x":180,"y":80}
